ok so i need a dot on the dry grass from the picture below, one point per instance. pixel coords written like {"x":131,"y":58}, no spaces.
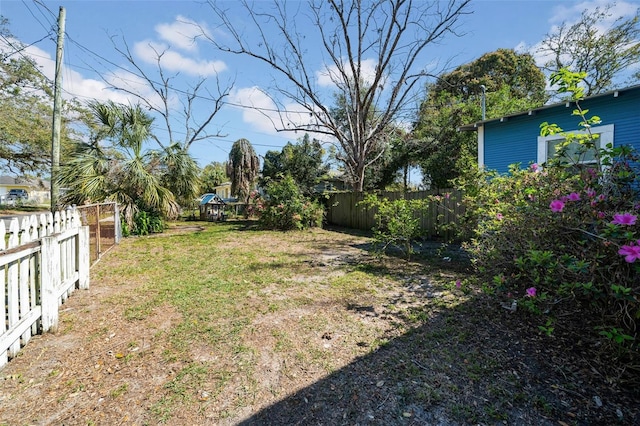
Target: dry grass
{"x":230,"y":324}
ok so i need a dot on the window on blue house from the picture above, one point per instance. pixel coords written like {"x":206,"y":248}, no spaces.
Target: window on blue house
{"x":574,"y":152}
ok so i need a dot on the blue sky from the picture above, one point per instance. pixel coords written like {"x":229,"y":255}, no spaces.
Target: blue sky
{"x":90,"y":56}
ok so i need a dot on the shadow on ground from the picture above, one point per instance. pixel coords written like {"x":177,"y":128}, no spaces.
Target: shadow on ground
{"x":473,"y":363}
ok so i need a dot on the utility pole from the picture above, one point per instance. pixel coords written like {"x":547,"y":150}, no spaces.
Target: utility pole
{"x":57,"y":118}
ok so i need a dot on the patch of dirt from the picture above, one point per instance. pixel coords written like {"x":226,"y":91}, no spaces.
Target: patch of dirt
{"x":182,"y":229}
{"x":405,"y":350}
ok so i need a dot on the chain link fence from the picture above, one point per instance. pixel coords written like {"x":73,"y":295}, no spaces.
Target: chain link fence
{"x":104,"y":227}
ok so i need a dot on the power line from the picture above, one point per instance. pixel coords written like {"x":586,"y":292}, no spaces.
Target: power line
{"x":38,"y":3}
{"x":43,"y":5}
{"x":22,"y":47}
{"x":173,"y":88}
{"x":102,"y":60}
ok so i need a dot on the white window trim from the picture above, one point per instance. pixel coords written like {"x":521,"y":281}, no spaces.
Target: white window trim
{"x":481,"y":146}
{"x":605,"y":132}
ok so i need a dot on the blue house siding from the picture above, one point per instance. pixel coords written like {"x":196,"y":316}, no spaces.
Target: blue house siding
{"x":514,"y":139}
{"x":515,"y":143}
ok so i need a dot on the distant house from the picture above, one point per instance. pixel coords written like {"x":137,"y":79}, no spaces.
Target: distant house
{"x":38,"y":189}
{"x":223,"y":190}
{"x":516,"y":138}
{"x":334,"y":180}
{"x":212,"y":207}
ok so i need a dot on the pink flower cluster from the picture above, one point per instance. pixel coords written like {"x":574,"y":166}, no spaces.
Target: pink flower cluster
{"x":631,"y":252}
{"x":624,"y":219}
{"x":574,"y":196}
{"x":556,"y":206}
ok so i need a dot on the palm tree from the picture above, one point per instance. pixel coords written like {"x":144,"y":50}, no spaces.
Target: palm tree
{"x":243,"y":168}
{"x":180,"y":173}
{"x":119,"y":171}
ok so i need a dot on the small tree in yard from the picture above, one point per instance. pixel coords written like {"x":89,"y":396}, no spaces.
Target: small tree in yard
{"x":397,"y":222}
{"x":302,"y":161}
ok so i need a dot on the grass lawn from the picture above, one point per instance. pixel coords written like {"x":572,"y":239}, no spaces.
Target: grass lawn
{"x":228,"y":324}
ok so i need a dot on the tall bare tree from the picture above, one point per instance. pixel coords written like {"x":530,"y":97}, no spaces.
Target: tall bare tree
{"x":585,"y":46}
{"x":373,"y":54}
{"x":161,"y":84}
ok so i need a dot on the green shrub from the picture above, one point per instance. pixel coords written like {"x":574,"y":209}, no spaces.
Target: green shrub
{"x":284,"y":207}
{"x":565,"y":239}
{"x":397,"y":222}
{"x":145,"y":223}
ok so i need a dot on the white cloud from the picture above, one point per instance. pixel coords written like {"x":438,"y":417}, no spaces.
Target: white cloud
{"x":259,"y":111}
{"x":73,"y":83}
{"x":173,"y":61}
{"x":570,"y":13}
{"x":94,"y":89}
{"x":182,"y":33}
{"x":328,"y":75}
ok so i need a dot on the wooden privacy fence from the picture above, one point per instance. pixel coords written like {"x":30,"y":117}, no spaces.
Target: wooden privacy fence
{"x":344,"y":210}
{"x":43,"y":258}
{"x":103,"y":221}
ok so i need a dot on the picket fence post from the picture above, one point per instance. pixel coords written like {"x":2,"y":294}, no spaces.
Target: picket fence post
{"x":3,"y":324}
{"x":82,"y":247}
{"x":50,"y":282}
{"x":13,"y":303}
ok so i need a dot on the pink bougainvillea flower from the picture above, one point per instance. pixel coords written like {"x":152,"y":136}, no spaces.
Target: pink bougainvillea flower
{"x":556,"y":206}
{"x":458,"y":284}
{"x":624,"y":219}
{"x":574,"y":196}
{"x":630,"y":252}
{"x":531,"y":292}
{"x":591,"y":192}
{"x":601,"y":215}
{"x":499,"y":216}
{"x":601,"y":197}
{"x":534,"y":167}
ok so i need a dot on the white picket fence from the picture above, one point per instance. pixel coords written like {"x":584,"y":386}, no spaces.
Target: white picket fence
{"x":43,"y":258}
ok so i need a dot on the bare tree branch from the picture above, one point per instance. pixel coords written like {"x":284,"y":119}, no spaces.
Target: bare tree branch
{"x":164,"y":90}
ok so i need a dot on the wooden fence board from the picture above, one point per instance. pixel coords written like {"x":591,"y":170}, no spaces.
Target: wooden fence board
{"x":343,"y":210}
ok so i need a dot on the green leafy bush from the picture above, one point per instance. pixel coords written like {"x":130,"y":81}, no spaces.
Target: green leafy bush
{"x":565,"y":239}
{"x":146,"y":223}
{"x":284,"y":207}
{"x":397,"y":222}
